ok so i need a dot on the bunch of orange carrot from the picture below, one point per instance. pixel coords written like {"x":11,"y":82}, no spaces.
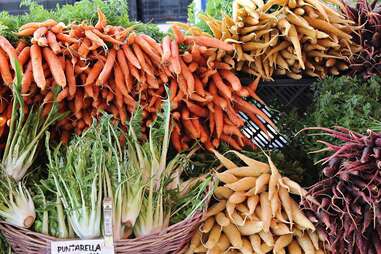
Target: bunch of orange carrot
{"x":113,"y":69}
{"x":206,"y":95}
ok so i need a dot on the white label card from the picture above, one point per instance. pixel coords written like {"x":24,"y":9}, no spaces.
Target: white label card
{"x":97,"y":246}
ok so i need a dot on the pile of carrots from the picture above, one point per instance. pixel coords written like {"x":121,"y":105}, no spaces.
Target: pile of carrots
{"x":255,"y":212}
{"x":113,"y":69}
{"x":285,"y":38}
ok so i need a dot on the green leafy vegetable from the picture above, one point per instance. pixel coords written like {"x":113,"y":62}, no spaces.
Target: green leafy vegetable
{"x":16,"y":204}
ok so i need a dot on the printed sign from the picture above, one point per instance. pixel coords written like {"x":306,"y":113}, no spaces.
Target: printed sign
{"x":81,"y":247}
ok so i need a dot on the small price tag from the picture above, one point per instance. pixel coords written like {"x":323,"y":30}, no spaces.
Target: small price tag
{"x":97,"y":246}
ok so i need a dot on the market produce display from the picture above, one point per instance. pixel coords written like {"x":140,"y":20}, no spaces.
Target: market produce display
{"x":347,"y":201}
{"x":94,"y":107}
{"x":255,"y":213}
{"x":367,"y":15}
{"x":298,"y":38}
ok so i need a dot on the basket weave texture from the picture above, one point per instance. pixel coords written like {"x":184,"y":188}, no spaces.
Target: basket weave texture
{"x":171,"y":240}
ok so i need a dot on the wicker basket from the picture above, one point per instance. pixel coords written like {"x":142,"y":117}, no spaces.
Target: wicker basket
{"x":171,"y":240}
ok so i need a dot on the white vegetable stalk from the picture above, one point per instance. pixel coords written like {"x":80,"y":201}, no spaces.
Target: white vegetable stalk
{"x":154,"y":216}
{"x":85,"y":220}
{"x":80,"y":184}
{"x":17,"y":207}
{"x":24,"y":134}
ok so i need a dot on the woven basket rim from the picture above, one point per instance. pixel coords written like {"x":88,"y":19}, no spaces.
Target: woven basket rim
{"x":32,"y":233}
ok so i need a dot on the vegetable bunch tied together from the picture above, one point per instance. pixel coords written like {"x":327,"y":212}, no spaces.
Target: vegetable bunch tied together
{"x":345,"y":205}
{"x":367,"y":16}
{"x":286,"y":37}
{"x":255,"y":213}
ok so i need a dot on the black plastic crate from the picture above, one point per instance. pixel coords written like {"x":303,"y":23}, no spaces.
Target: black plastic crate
{"x":158,"y":11}
{"x":287,"y":93}
{"x":13,"y":6}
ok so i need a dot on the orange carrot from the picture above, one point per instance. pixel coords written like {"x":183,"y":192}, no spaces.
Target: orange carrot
{"x":231,"y":142}
{"x":243,"y":92}
{"x":10,"y":50}
{"x":48,"y":97}
{"x":102,"y":20}
{"x":253,"y":117}
{"x":163,"y":76}
{"x":27,"y":78}
{"x":231,"y":130}
{"x":196,"y":55}
{"x":95,"y":38}
{"x":131,"y":38}
{"x":88,"y":87}
{"x":38,"y":72}
{"x":119,"y":80}
{"x":131,"y":56}
{"x":107,"y":68}
{"x":26,"y":32}
{"x":62,"y":61}
{"x":177,"y":98}
{"x":209,"y":42}
{"x":58,"y":28}
{"x":134,"y":71}
{"x":63,"y":94}
{"x":130,"y":102}
{"x":21,"y":44}
{"x":248,"y":107}
{"x":197,"y":126}
{"x":140,"y":55}
{"x":166,"y":50}
{"x":223,"y":66}
{"x":219,"y":119}
{"x":175,"y":139}
{"x":198,"y":98}
{"x":204,"y":136}
{"x":5,"y":70}
{"x":106,"y":37}
{"x":156,"y":46}
{"x":94,"y":72}
{"x":232,"y":79}
{"x":207,"y":74}
{"x":196,"y":109}
{"x":55,"y":66}
{"x":39,"y":37}
{"x":84,"y":48}
{"x":252,"y":88}
{"x":224,"y":89}
{"x":46,"y":109}
{"x":178,"y":34}
{"x":187,"y":57}
{"x":188,"y":125}
{"x":52,"y":42}
{"x":193,"y":67}
{"x":199,"y":88}
{"x":188,"y":77}
{"x":69,"y":72}
{"x":124,"y":67}
{"x":152,"y":82}
{"x":182,"y":83}
{"x":24,"y":56}
{"x":47,"y":23}
{"x":175,"y":58}
{"x":147,"y":48}
{"x":233,"y":116}
{"x":216,"y":98}
{"x":66,"y":38}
